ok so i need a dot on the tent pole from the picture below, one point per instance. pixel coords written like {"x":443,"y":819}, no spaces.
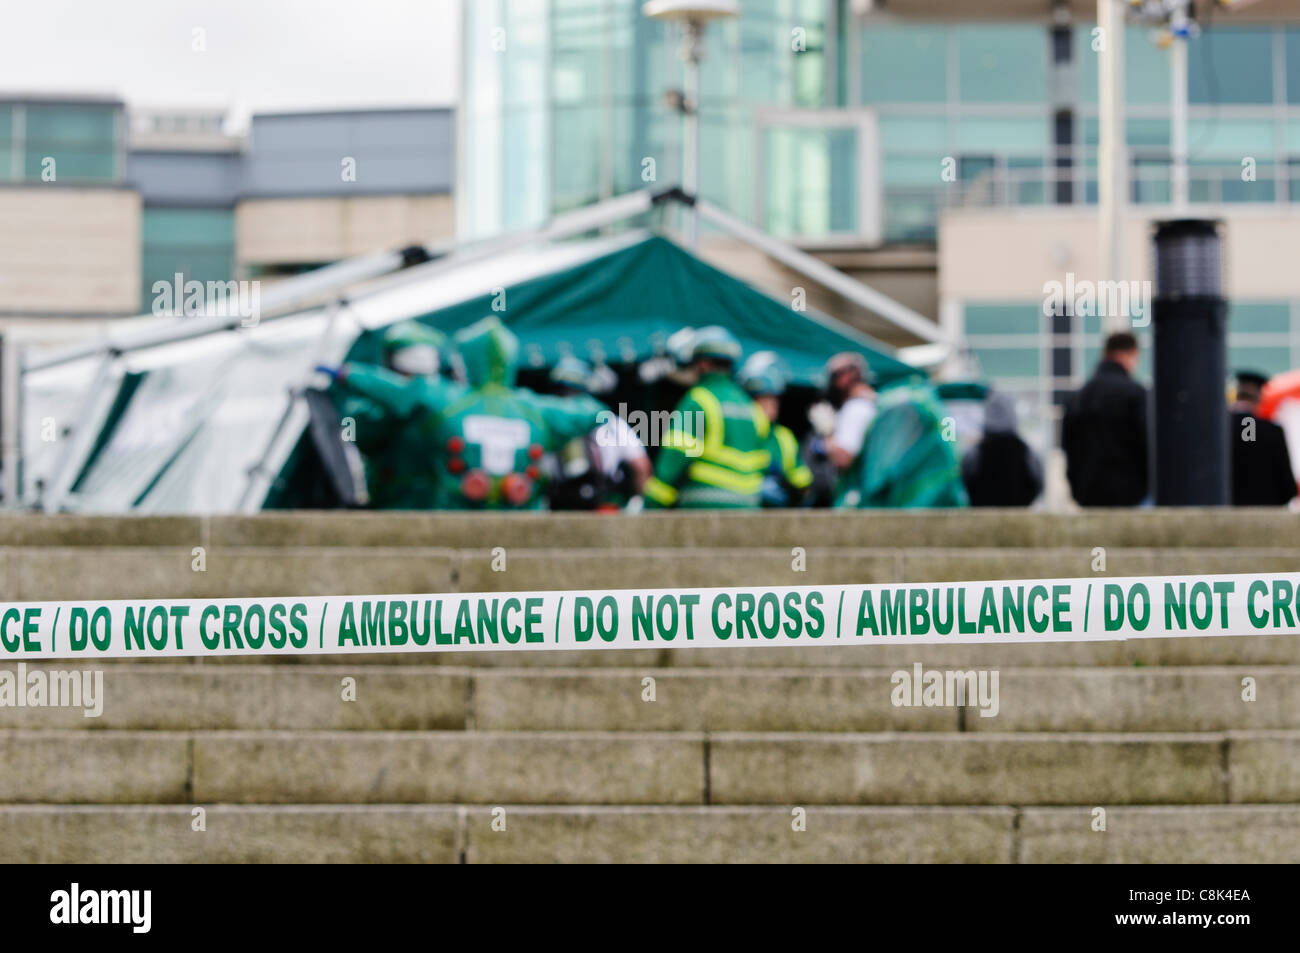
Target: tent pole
{"x":89,"y":420}
{"x":822,"y":273}
{"x":11,"y":396}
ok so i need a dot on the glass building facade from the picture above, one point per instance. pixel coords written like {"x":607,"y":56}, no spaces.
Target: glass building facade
{"x":86,"y":140}
{"x":564,"y":104}
{"x":196,"y":243}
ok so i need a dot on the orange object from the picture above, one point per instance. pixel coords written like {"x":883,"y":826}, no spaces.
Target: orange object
{"x":517,"y":489}
{"x":1282,"y":387}
{"x":475,"y":484}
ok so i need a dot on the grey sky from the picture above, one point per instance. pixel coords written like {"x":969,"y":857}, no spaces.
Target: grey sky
{"x":261,"y":54}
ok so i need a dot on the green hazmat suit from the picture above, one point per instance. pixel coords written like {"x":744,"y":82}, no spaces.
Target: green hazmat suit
{"x":905,"y":460}
{"x":715,"y":453}
{"x":388,"y":442}
{"x":476,"y":445}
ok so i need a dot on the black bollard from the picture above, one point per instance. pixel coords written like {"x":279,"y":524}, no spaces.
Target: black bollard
{"x":1189,"y":419}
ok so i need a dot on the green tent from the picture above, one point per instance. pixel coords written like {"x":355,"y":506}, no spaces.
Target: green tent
{"x":209,"y":424}
{"x":621,"y":306}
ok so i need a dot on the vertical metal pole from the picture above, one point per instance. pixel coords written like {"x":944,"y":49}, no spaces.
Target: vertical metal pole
{"x":1112,"y":153}
{"x":692,"y":50}
{"x":1178,"y":109}
{"x":11,"y":389}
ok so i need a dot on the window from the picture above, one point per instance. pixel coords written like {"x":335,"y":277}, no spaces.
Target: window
{"x":82,"y":141}
{"x":1267,"y":360}
{"x":1230,"y":65}
{"x":1259,"y":317}
{"x":1146,"y":68}
{"x":811,"y":181}
{"x":1013,"y":318}
{"x":1005,"y":63}
{"x":1293,"y":66}
{"x":904,"y":64}
{"x":198,"y":244}
{"x":1004,"y":134}
{"x":7,"y":170}
{"x":998,"y":362}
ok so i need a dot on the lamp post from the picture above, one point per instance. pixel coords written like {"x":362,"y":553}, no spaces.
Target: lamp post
{"x":1112,"y":153}
{"x":1189,"y":423}
{"x":693,"y":16}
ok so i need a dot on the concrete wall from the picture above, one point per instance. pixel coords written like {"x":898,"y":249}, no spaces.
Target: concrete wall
{"x":906,"y":275}
{"x":326,"y":229}
{"x":1001,"y":254}
{"x":69,"y":250}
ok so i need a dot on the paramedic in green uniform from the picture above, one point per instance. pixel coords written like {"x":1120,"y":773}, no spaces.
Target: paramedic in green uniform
{"x":715,"y":452}
{"x":787,"y":478}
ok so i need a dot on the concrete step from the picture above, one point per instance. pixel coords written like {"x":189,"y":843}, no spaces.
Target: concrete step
{"x":86,"y":572}
{"x":939,"y":768}
{"x":399,"y":833}
{"x":1208,"y":528}
{"x":422,"y":698}
{"x":1210,"y":650}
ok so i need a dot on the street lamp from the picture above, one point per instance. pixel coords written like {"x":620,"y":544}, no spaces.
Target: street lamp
{"x":693,"y":15}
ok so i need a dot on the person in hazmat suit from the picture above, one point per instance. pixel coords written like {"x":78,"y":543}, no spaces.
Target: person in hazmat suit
{"x":787,"y":477}
{"x":390,"y":444}
{"x":908,"y":459}
{"x":715,"y":452}
{"x":483,"y":439}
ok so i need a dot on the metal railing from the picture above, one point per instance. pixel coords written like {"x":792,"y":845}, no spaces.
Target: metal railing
{"x":1150,"y":183}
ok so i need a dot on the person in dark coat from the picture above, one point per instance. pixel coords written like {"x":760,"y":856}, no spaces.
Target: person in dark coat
{"x":1001,"y":470}
{"x":1104,"y":432}
{"x":1261,"y":464}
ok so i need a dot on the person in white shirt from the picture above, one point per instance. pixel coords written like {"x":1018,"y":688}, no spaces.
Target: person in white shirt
{"x":613,"y":448}
{"x":849,"y":388}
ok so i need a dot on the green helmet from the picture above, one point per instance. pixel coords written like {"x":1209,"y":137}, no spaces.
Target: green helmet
{"x":715,"y":342}
{"x":762,"y":374}
{"x":680,"y":345}
{"x":412,"y":348}
{"x":570,"y":371}
{"x":489,"y":351}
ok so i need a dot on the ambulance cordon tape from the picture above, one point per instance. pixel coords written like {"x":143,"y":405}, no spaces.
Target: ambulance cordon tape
{"x":1038,"y":610}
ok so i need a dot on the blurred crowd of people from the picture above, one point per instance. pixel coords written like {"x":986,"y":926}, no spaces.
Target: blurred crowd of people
{"x":443,"y":424}
{"x":1104,"y":434}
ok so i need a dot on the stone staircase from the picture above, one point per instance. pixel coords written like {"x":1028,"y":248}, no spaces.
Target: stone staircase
{"x":739,"y":746}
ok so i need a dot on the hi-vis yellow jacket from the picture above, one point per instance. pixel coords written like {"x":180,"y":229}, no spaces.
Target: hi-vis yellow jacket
{"x":715,"y":451}
{"x":792,"y":475}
